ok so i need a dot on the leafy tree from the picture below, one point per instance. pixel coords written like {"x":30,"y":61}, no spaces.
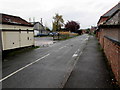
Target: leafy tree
{"x":47,"y":28}
{"x":58,"y":22}
{"x":54,"y":27}
{"x":72,"y":26}
{"x":88,"y":30}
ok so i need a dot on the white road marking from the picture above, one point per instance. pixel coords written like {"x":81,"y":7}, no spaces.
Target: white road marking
{"x":75,"y":55}
{"x":62,"y":47}
{"x":23,"y":68}
{"x":77,"y":51}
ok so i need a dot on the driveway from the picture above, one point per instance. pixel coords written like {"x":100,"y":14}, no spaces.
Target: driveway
{"x":44,"y":41}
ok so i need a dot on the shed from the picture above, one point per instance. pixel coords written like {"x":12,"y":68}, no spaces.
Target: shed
{"x":15,"y":32}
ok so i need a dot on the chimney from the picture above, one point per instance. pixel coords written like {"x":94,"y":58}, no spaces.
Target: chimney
{"x":33,"y":19}
{"x":29,"y":19}
{"x":41,"y":21}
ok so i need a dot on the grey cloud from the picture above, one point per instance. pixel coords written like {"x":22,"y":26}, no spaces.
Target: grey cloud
{"x":87,"y":12}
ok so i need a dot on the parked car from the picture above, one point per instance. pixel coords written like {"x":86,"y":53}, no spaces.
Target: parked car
{"x":41,"y":34}
{"x":53,"y":33}
{"x":50,"y":34}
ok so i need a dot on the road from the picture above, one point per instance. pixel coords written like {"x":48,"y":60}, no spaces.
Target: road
{"x":48,"y":67}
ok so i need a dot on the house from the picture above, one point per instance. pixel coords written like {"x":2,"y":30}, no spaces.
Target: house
{"x":109,"y":38}
{"x":39,"y":29}
{"x":15,"y":32}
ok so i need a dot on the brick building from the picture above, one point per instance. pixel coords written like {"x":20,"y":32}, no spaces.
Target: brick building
{"x":108,"y":34}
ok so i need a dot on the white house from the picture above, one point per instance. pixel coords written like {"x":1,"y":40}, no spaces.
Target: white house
{"x":15,"y":32}
{"x":39,"y":29}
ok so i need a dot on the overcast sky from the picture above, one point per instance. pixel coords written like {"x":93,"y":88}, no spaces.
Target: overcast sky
{"x":86,"y":12}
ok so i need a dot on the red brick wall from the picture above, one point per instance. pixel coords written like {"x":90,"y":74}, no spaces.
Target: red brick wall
{"x":111,"y":49}
{"x":112,"y":53}
{"x":101,"y":37}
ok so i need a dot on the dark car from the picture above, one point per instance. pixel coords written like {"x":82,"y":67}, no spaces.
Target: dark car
{"x":53,"y":33}
{"x":41,"y":34}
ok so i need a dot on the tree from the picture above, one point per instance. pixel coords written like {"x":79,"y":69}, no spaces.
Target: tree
{"x":72,"y":26}
{"x":54,"y":27}
{"x":88,"y":30}
{"x":47,"y":28}
{"x":58,"y":22}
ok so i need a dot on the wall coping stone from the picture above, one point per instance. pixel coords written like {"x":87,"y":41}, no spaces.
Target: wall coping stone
{"x":113,"y":40}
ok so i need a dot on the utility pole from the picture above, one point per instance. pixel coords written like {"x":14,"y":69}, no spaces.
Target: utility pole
{"x":33,"y":19}
{"x":41,"y":21}
{"x":29,"y":19}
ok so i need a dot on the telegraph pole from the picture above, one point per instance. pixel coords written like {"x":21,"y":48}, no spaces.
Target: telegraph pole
{"x":41,"y":21}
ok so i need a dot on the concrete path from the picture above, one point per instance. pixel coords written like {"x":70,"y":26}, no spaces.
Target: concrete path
{"x":90,"y":70}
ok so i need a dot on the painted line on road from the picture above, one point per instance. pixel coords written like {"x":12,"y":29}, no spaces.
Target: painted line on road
{"x":23,"y":68}
{"x":62,"y":47}
{"x":75,"y":55}
{"x":77,"y":51}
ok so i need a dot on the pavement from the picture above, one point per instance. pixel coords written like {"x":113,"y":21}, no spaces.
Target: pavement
{"x":91,"y":70}
{"x":48,"y":67}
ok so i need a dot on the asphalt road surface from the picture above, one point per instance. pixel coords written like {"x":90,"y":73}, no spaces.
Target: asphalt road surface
{"x":48,"y":67}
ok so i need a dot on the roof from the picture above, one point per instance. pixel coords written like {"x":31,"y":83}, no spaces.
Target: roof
{"x":112,"y":22}
{"x":109,"y":13}
{"x":13,"y":20}
{"x":37,"y":23}
{"x":115,"y":21}
{"x":112,"y":10}
{"x":102,"y":19}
